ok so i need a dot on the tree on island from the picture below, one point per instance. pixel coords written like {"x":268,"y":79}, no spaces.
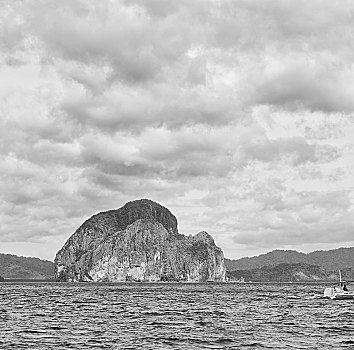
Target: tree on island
{"x":2,"y":279}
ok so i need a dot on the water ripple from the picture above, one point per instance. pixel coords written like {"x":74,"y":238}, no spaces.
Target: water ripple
{"x":171,"y":316}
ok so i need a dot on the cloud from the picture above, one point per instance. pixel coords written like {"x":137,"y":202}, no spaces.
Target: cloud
{"x":135,"y":108}
{"x":278,"y":234}
{"x":296,"y":150}
{"x":160,"y":152}
{"x":312,"y":217}
{"x":237,"y":115}
{"x":307,"y":87}
{"x":119,"y":34}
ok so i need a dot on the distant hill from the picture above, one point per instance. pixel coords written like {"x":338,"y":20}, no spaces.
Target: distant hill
{"x":335,"y":259}
{"x":284,"y":272}
{"x":12,"y":266}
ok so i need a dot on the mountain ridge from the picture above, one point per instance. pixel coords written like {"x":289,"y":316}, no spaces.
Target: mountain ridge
{"x":20,"y":267}
{"x":333,"y":259}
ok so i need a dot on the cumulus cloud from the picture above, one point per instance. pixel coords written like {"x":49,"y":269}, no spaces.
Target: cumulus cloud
{"x":296,"y":150}
{"x":313,"y":88}
{"x":237,"y":115}
{"x":286,"y":231}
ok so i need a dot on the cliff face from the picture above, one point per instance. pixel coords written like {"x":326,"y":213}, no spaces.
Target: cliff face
{"x":138,"y":242}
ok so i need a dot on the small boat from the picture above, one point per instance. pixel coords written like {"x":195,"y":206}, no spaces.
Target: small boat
{"x":338,"y":292}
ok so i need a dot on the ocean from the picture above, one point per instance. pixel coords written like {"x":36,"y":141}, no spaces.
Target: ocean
{"x":172,"y":316}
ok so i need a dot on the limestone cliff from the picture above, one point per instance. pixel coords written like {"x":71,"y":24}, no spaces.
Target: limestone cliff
{"x":138,"y":242}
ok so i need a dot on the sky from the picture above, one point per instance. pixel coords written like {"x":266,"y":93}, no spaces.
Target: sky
{"x":237,"y":115}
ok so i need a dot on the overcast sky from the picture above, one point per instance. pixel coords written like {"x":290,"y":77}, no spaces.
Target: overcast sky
{"x":236,"y":115}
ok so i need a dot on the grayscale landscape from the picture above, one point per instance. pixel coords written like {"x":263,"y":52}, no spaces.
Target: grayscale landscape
{"x":176,"y":174}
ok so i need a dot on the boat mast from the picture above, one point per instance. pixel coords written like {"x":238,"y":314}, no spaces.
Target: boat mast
{"x":340,"y":279}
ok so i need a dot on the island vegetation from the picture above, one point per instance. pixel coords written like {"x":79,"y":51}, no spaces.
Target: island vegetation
{"x":19,"y":267}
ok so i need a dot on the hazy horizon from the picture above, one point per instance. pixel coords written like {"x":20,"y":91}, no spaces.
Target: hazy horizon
{"x":235,"y":115}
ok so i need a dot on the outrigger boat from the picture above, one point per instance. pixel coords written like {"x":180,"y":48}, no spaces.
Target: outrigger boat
{"x":339,"y":293}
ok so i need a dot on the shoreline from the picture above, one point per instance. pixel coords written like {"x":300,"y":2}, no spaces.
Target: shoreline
{"x":25,"y":280}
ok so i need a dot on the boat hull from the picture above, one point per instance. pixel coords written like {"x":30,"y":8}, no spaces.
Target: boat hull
{"x":342,"y":296}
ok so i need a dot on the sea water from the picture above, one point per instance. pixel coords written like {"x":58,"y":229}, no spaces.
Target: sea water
{"x":172,"y":316}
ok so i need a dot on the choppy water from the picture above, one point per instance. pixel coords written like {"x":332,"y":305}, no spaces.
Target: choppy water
{"x":172,"y":316}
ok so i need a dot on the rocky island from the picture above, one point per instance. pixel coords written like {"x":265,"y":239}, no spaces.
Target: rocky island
{"x":138,"y":242}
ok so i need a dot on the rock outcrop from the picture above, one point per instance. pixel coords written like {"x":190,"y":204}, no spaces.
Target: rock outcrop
{"x":138,"y":242}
